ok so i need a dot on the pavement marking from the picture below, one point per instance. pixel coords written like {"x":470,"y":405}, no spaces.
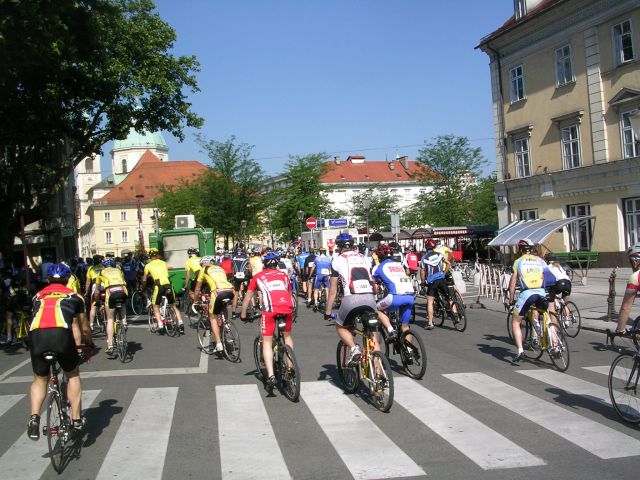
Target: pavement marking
{"x":483,"y":445}
{"x":142,"y":439}
{"x":351,"y":432}
{"x":604,"y":370}
{"x":28,"y":460}
{"x":17,"y":367}
{"x":598,"y":439}
{"x":248,"y":445}
{"x":203,"y":367}
{"x":570,"y":384}
{"x":8,"y":401}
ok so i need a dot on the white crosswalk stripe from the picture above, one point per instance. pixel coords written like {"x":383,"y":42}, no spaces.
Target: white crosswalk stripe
{"x":144,"y":430}
{"x":8,"y":401}
{"x":345,"y":425}
{"x":598,"y":439}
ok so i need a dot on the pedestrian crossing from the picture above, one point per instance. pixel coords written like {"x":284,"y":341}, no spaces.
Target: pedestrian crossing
{"x":364,"y":441}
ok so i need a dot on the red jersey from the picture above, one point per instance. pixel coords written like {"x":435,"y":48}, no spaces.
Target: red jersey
{"x":55,"y":306}
{"x":227,"y":266}
{"x":411,"y":261}
{"x":275,"y":287}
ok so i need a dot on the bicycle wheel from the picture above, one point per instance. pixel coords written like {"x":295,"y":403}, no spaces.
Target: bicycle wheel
{"x":528,"y":339}
{"x":623,"y":387}
{"x":98,"y":326}
{"x":153,"y":328}
{"x":289,"y":374}
{"x":230,"y":341}
{"x":439,"y":312}
{"x":381,"y":382}
{"x":121,"y":338}
{"x":56,"y":431}
{"x":138,"y":302}
{"x":294,"y":300}
{"x":258,"y":358}
{"x":460,"y":317}
{"x":636,"y":337}
{"x":171,"y":325}
{"x":348,"y":375}
{"x":557,"y":347}
{"x":571,"y":322}
{"x":413,"y":354}
{"x":204,"y":334}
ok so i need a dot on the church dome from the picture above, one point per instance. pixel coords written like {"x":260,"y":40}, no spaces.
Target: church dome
{"x":145,"y":139}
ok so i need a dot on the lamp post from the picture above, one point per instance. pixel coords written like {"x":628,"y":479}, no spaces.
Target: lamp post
{"x":140,"y":233}
{"x":300,"y":214}
{"x":366,"y":203}
{"x":243,"y":225}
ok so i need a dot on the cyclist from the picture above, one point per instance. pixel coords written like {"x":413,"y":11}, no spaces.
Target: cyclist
{"x":529,"y":274}
{"x":398,"y":256}
{"x":632,"y":290}
{"x":73,"y":283}
{"x":129,"y":268}
{"x":240,"y":261}
{"x":111,"y":279}
{"x":559,"y":283}
{"x":310,"y":275}
{"x":255,"y":266}
{"x":351,"y":269}
{"x":59,"y":320}
{"x":276,"y":292}
{"x":221,"y":289}
{"x":192,"y":270}
{"x":227,"y":264}
{"x":158,"y":271}
{"x":411,"y":263}
{"x":301,"y":258}
{"x":432,"y":275}
{"x":90,"y":285}
{"x":321,"y":267}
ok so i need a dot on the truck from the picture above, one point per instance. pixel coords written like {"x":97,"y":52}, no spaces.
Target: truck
{"x":325,"y":237}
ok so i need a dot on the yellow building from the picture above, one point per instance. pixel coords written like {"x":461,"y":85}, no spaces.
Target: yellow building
{"x":565,"y":78}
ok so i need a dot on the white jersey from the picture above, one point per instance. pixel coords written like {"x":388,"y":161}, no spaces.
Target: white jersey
{"x":353,"y":271}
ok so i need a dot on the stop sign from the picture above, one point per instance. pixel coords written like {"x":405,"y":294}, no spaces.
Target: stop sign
{"x":311,"y":223}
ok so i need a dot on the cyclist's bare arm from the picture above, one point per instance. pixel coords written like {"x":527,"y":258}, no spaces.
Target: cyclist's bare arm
{"x":245,"y":303}
{"x":331,"y":295}
{"x":512,"y":286}
{"x":625,"y":310}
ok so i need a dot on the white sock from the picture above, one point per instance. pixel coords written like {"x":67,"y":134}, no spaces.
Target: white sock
{"x":520,"y":350}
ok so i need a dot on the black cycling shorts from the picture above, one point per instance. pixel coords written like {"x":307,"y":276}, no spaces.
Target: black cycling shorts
{"x":220,"y":297}
{"x":440,"y":284}
{"x":117,"y":297}
{"x":159,"y":291}
{"x":562,"y":287}
{"x":57,"y":340}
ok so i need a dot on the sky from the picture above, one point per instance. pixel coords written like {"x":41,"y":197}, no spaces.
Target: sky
{"x":377,"y":78}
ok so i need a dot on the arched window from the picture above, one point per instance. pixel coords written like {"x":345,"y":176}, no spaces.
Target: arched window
{"x":88,"y":165}
{"x":124,"y":165}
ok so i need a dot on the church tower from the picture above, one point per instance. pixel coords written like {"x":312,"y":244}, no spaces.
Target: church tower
{"x":126,"y":153}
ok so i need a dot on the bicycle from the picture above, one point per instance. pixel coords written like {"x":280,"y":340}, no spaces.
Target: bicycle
{"x":373,"y":368}
{"x":285,"y":365}
{"x":198,"y":308}
{"x":443,"y":309}
{"x":59,"y":427}
{"x":167,"y":317}
{"x":119,"y":333}
{"x":139,"y":301}
{"x":409,"y":346}
{"x":99,"y":325}
{"x":623,"y":379}
{"x":568,"y":316}
{"x":549,"y":339}
{"x":228,"y":334}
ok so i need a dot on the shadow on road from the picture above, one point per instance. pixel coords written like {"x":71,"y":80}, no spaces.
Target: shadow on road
{"x":501,"y":353}
{"x":585,"y":401}
{"x":98,"y":418}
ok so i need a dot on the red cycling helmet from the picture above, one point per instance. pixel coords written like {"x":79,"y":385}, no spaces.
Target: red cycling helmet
{"x":431,"y":244}
{"x":385,"y":251}
{"x":526,"y":245}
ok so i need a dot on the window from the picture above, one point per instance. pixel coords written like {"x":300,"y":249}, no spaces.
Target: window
{"x":630,"y":143}
{"x":123,"y":216}
{"x":570,"y":146}
{"x":107,"y":237}
{"x":124,"y":236}
{"x":124,"y":165}
{"x":88,"y":165}
{"x":632,"y":220}
{"x":529,"y":214}
{"x":516,"y":74}
{"x":623,"y":42}
{"x":564,"y":66}
{"x":523,"y":162}
{"x":107,"y":216}
{"x":579,"y":233}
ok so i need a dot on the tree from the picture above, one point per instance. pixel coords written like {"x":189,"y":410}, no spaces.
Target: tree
{"x":184,"y":198}
{"x":76,"y":74}
{"x":452,"y":166}
{"x":378,"y":212}
{"x":484,"y":210}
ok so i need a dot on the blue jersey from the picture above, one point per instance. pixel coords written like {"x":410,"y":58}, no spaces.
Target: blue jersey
{"x":392,"y":274}
{"x":433,"y":264}
{"x":302,"y":258}
{"x":323,"y":265}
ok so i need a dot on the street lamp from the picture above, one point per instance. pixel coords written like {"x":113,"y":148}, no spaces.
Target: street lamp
{"x":140,"y":233}
{"x":366,"y":203}
{"x":300,"y":214}
{"x":243,"y":225}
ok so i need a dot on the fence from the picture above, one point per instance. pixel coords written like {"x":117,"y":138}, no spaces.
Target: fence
{"x":492,"y":281}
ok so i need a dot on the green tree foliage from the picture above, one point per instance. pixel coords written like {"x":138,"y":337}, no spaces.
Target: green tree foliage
{"x":186,"y":198}
{"x":75,"y":74}
{"x":484,"y":210}
{"x":375,"y":208}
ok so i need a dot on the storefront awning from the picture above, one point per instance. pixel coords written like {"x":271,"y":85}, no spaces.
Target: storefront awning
{"x":535,"y":230}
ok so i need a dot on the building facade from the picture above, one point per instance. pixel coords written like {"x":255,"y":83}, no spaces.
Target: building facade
{"x":565,"y":82}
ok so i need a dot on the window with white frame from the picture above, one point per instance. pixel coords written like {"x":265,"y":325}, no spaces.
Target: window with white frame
{"x":632,"y":220}
{"x":107,"y":237}
{"x":623,"y":42}
{"x":123,"y":216}
{"x":570,"y":138}
{"x":564,"y":66}
{"x":523,"y":162}
{"x":107,"y":216}
{"x":529,"y":214}
{"x":124,"y":236}
{"x":630,"y":143}
{"x":580,"y":232}
{"x":516,"y":75}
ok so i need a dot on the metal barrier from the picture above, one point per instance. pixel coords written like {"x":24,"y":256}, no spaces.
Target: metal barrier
{"x":493,"y":282}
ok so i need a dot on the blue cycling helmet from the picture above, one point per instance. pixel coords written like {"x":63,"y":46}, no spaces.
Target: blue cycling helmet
{"x":58,"y":271}
{"x":270,"y":259}
{"x":108,"y":262}
{"x":344,"y":240}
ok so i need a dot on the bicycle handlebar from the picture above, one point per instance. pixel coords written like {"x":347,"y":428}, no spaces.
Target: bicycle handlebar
{"x":611,"y":336}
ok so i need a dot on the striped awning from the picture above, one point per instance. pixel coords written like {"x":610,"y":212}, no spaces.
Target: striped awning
{"x":535,"y":230}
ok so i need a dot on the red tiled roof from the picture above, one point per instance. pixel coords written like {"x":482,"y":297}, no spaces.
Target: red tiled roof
{"x":512,"y":22}
{"x":370,"y":172}
{"x":149,"y":175}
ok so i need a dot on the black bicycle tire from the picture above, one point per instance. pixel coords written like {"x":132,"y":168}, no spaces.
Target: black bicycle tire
{"x":228,"y":328}
{"x":121,"y":338}
{"x":291,"y":392}
{"x":615,"y":378}
{"x":636,"y":338}
{"x":99,"y":320}
{"x":192,"y":315}
{"x":201,"y":331}
{"x":138,"y":302}
{"x":349,"y":376}
{"x":384,"y":406}
{"x":153,"y":327}
{"x":442,"y":311}
{"x":528,"y":331}
{"x":421,"y":350}
{"x":461,"y":324}
{"x":551,"y":328}
{"x":578,"y":321}
{"x":258,"y":358}
{"x":171,"y":326}
{"x":55,"y":443}
{"x":510,"y":325}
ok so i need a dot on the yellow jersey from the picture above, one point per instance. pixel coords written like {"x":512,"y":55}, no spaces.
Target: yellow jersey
{"x":256,"y":264}
{"x":446,"y":253}
{"x":215,"y":277}
{"x":93,"y":272}
{"x":73,"y":283}
{"x":192,"y":265}
{"x":158,"y":270}
{"x":112,"y":277}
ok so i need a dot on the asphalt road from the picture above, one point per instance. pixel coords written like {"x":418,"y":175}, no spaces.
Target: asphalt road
{"x":171,"y":412}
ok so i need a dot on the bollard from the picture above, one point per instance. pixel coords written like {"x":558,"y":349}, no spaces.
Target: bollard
{"x":611,"y":298}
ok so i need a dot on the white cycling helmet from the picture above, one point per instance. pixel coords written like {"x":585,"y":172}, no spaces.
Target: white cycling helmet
{"x":207,"y":260}
{"x":634,"y":251}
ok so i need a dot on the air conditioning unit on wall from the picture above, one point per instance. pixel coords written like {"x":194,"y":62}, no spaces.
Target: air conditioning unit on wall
{"x":185,"y":221}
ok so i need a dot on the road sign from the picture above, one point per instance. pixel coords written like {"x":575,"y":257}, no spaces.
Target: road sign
{"x":331,"y":243}
{"x":320,"y":223}
{"x":311,"y":223}
{"x":338,"y":222}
